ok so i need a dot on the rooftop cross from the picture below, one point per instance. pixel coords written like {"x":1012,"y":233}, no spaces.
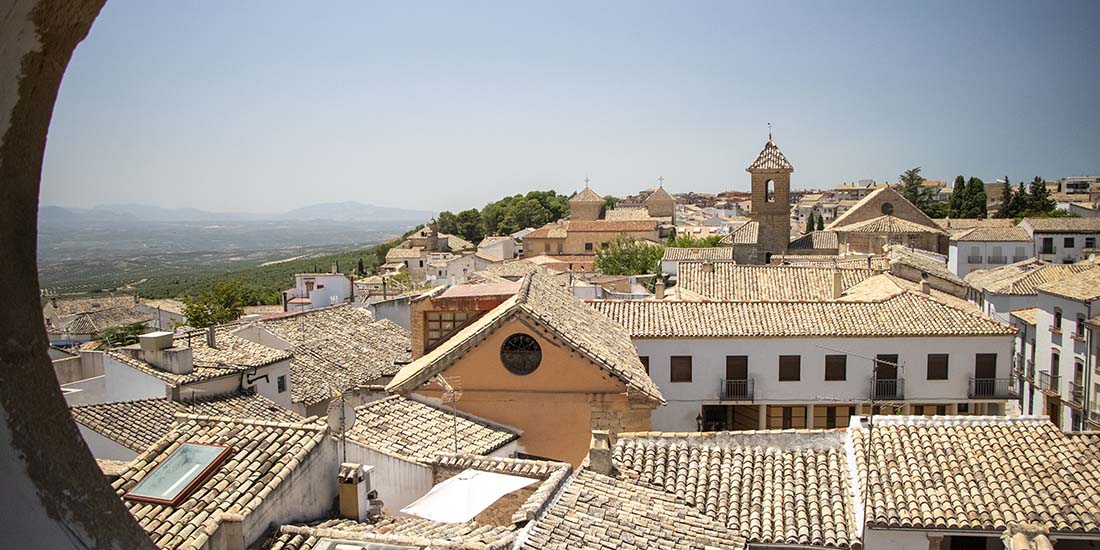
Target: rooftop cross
{"x":769,"y":131}
{"x":662,"y":180}
{"x":586,"y":180}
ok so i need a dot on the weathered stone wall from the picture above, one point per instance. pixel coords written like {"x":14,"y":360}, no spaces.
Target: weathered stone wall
{"x":585,"y":210}
{"x":619,"y":415}
{"x":873,"y":243}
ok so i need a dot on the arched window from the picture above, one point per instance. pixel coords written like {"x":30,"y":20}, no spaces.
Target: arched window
{"x":769,"y":190}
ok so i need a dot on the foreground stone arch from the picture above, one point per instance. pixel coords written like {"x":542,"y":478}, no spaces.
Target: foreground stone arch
{"x":52,"y":494}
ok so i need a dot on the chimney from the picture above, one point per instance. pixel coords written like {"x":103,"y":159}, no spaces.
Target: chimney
{"x":838,"y":284}
{"x":708,"y":267}
{"x":925,"y":286}
{"x":211,"y":338}
{"x":232,"y":531}
{"x":599,"y":452}
{"x":354,"y":488}
{"x":659,"y":289}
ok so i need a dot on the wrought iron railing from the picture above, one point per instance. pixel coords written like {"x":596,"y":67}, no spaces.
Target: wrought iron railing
{"x":1049,"y":382}
{"x":1076,"y":394}
{"x":997,"y":388}
{"x":738,"y":390}
{"x":888,"y":388}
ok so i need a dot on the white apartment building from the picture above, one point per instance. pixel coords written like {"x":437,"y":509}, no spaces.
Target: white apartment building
{"x":813,"y":364}
{"x":499,"y":248}
{"x":1003,"y":290}
{"x":986,"y":247}
{"x":313,"y":290}
{"x":1062,"y":240}
{"x":1058,"y":351}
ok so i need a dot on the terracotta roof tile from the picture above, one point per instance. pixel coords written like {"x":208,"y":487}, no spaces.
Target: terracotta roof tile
{"x":405,"y":427}
{"x":731,"y":281}
{"x":904,"y":314}
{"x":769,"y":159}
{"x":1023,"y":278}
{"x":137,"y":425}
{"x":675,"y":254}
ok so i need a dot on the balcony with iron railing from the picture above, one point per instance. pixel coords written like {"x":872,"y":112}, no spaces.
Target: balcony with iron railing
{"x":974,"y":259}
{"x":998,"y":260}
{"x":1048,"y":382}
{"x":736,"y":390}
{"x":1076,"y":395}
{"x":888,"y":389}
{"x":993,"y":388}
{"x":1094,"y":417}
{"x":1029,"y":370}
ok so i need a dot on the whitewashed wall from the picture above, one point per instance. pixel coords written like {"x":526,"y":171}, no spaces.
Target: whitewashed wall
{"x":1069,"y":350}
{"x":399,"y":482}
{"x":103,"y":447}
{"x":709,"y":367}
{"x":125,"y":383}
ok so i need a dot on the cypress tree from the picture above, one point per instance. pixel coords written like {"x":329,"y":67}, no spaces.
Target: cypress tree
{"x":810,"y":222}
{"x":1041,"y":203}
{"x":957,"y":204}
{"x":1008,"y":201}
{"x":820,"y":223}
{"x":976,"y":198}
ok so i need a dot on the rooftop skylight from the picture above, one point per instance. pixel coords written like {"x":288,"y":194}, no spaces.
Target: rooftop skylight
{"x":180,"y":474}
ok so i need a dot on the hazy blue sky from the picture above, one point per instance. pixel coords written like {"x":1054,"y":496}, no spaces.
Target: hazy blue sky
{"x":266,"y":106}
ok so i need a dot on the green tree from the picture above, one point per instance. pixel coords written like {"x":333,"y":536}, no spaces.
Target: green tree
{"x":687,"y":241}
{"x":468,"y":225}
{"x":809,"y":223}
{"x":820,"y":223}
{"x":609,"y":202}
{"x":1039,"y":198}
{"x":124,"y":335}
{"x":959,"y":198}
{"x":359,"y":269}
{"x":1008,"y":207}
{"x":913,"y":189}
{"x":447,"y":222}
{"x":1021,"y":200}
{"x":977,"y":206}
{"x":626,"y":256}
{"x":222,"y":303}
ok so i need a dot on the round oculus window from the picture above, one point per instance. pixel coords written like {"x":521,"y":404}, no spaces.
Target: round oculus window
{"x":887,"y":208}
{"x":520,"y":354}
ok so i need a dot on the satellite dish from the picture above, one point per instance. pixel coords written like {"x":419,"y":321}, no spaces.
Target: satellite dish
{"x":341,"y":415}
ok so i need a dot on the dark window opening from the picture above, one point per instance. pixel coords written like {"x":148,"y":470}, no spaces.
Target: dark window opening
{"x":937,"y":366}
{"x":836,"y":367}
{"x":790,"y":368}
{"x":737,"y":367}
{"x":645,"y":362}
{"x":281,"y":383}
{"x":521,"y":354}
{"x":679,"y":368}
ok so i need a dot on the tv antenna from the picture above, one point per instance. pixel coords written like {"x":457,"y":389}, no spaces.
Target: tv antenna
{"x":341,"y":418}
{"x":452,"y":392}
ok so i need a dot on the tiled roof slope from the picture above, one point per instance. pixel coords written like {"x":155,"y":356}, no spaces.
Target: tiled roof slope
{"x":771,"y":488}
{"x":94,"y":322}
{"x":1028,"y":315}
{"x":592,"y":334}
{"x":137,"y":425}
{"x":598,"y":511}
{"x":405,"y":427}
{"x":423,"y":533}
{"x":659,"y":195}
{"x":981,"y":473}
{"x":904,"y":314}
{"x":900,"y":254}
{"x":748,"y":233}
{"x":339,"y":347}
{"x":731,"y":281}
{"x":1023,"y":278}
{"x":231,"y":356}
{"x":959,"y":225}
{"x":1083,"y":286}
{"x":265,"y":455}
{"x":1006,"y":234}
{"x":1065,"y":225}
{"x":627,"y":214}
{"x":770,"y":158}
{"x":870,"y":262}
{"x":73,"y":306}
{"x":675,"y":254}
{"x":887,"y":224}
{"x":815,"y":240}
{"x":586,"y":195}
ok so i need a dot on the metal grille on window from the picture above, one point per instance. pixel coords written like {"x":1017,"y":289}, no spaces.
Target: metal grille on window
{"x":520,"y":354}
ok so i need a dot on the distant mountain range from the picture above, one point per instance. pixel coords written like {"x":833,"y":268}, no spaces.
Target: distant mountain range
{"x":349,"y":211}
